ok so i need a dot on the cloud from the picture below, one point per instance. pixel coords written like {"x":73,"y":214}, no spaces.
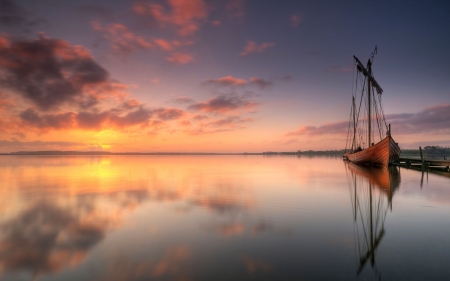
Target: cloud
{"x":125,"y":42}
{"x":225,"y":81}
{"x":49,"y":72}
{"x":167,"y":45}
{"x":295,"y":20}
{"x":434,"y":119}
{"x":202,"y":124}
{"x":230,"y":122}
{"x":261,"y":82}
{"x":180,"y":58}
{"x":54,"y":121}
{"x":230,"y":81}
{"x":15,"y":145}
{"x":98,"y":120}
{"x":331,"y":128}
{"x":224,"y":104}
{"x":199,"y":117}
{"x":13,"y":15}
{"x":182,"y":99}
{"x":185,"y":15}
{"x":122,"y":39}
{"x":169,"y":113}
{"x":253,"y":47}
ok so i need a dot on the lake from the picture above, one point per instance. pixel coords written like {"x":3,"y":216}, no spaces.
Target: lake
{"x":219,"y":217}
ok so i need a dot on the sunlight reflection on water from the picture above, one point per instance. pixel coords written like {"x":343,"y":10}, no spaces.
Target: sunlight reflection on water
{"x":218,"y":218}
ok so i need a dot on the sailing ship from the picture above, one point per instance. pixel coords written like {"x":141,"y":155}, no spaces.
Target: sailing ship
{"x":371,"y":192}
{"x":367,"y":122}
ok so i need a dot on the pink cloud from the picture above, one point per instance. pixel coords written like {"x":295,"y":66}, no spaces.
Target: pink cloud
{"x":182,"y":99}
{"x":331,"y":128}
{"x":125,"y":42}
{"x":184,"y":15}
{"x":122,"y":39}
{"x":253,"y":47}
{"x":434,"y":119}
{"x":226,"y":81}
{"x":180,"y":58}
{"x":262,"y":83}
{"x":167,"y":45}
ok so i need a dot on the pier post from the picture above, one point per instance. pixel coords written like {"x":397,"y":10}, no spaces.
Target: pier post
{"x":421,"y":156}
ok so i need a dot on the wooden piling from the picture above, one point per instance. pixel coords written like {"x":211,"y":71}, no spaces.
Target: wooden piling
{"x":421,"y":156}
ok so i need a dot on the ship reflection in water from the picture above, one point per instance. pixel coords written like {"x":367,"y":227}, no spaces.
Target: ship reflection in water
{"x":371,"y":191}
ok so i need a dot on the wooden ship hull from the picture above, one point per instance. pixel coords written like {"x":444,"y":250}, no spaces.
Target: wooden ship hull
{"x":380,"y":154}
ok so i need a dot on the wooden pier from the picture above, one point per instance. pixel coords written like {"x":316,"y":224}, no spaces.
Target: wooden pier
{"x":423,"y":163}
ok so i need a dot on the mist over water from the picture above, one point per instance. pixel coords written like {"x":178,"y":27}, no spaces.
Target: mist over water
{"x":219,"y":218}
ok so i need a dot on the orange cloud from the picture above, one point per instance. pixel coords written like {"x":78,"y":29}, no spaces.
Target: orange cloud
{"x":253,"y":47}
{"x":185,"y":15}
{"x":180,"y":58}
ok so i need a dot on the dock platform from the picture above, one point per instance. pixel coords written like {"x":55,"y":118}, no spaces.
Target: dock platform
{"x":423,"y":163}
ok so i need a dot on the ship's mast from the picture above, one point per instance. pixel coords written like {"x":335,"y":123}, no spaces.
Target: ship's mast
{"x":371,"y":82}
{"x":354,"y":124}
{"x":369,"y":96}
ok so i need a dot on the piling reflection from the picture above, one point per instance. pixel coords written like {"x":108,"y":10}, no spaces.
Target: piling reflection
{"x":371,"y":191}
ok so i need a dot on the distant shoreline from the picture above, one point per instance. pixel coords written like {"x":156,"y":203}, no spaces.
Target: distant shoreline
{"x":404,"y":153}
{"x":106,"y":153}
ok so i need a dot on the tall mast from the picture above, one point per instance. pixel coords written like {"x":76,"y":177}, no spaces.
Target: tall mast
{"x":354,"y":125}
{"x":369,"y":69}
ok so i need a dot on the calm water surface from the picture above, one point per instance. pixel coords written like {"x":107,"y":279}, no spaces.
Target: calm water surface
{"x":219,"y":218}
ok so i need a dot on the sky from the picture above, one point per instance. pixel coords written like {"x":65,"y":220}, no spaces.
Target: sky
{"x":216,"y":76}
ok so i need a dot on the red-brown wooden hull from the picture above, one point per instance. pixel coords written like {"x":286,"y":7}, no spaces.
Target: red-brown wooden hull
{"x":381,"y":154}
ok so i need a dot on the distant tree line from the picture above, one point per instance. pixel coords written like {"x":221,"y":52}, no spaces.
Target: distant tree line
{"x":307,"y":152}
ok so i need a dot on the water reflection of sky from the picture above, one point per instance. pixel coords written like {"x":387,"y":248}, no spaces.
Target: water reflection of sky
{"x":206,"y":218}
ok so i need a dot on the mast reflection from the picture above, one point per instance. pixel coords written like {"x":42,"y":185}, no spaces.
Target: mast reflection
{"x":371,"y":192}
